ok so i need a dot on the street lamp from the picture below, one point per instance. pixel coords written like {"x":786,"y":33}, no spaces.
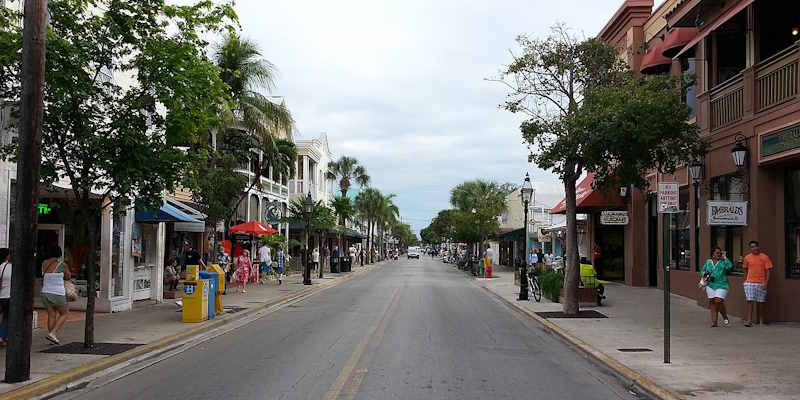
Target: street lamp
{"x":739,"y":151}
{"x":308,"y":205}
{"x":527,"y":193}
{"x":477,"y":250}
{"x":696,"y":171}
{"x":623,"y":191}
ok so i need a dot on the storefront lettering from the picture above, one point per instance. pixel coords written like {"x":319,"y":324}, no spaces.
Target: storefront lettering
{"x":780,"y":141}
{"x":45,"y":209}
{"x":727,"y":213}
{"x":614,"y":218}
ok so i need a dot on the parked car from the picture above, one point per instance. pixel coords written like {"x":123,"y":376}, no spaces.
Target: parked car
{"x":413,"y":252}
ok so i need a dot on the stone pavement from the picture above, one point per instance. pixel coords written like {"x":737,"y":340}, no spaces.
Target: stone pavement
{"x":149,"y":322}
{"x":732,"y":362}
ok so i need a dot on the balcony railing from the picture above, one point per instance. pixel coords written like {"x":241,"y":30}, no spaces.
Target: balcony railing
{"x":777,"y":79}
{"x":727,"y":102}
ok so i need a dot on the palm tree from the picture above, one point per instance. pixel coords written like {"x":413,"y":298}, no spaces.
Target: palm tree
{"x":387,"y":217}
{"x":347,"y":169}
{"x":344,"y":210}
{"x":321,"y":218}
{"x":368,"y":203}
{"x":484,"y":201}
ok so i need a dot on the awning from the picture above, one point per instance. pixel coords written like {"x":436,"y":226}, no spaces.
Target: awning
{"x":167,"y":213}
{"x":653,"y":59}
{"x":588,"y":199}
{"x":727,"y":15}
{"x":676,"y":39}
{"x":197,"y":227}
{"x":512,"y":235}
{"x":253,"y":228}
{"x":352,"y":233}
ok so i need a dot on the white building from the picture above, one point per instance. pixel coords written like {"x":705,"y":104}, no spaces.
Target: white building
{"x":311,"y":174}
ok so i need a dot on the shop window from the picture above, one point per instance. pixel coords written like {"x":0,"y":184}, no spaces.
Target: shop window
{"x":253,"y":208}
{"x":792,"y":194}
{"x":689,"y":71}
{"x":677,"y":228}
{"x":729,"y":238}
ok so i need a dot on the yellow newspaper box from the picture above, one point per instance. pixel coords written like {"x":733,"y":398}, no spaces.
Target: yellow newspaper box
{"x":220,"y":286}
{"x":195,"y":300}
{"x":192,"y":272}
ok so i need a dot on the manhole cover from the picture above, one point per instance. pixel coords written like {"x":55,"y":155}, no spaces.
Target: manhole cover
{"x":635,"y":350}
{"x":580,"y":314}
{"x":101,"y":349}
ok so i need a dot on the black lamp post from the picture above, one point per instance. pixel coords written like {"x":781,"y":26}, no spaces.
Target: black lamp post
{"x":739,"y":152}
{"x":696,"y":172}
{"x":527,"y":193}
{"x":308,"y":204}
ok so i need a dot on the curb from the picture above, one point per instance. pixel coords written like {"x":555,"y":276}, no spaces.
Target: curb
{"x":637,"y":379}
{"x":54,"y":382}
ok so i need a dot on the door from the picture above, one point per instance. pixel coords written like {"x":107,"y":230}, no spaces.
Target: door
{"x":652,"y":240}
{"x":47,"y":236}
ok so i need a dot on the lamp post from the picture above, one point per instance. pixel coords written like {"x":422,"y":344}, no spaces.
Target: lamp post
{"x":527,"y":193}
{"x":739,"y":151}
{"x":477,"y":248}
{"x":696,"y":171}
{"x":308,"y":204}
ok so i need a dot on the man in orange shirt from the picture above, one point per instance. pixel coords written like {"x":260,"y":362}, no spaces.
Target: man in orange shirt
{"x":757,"y":266}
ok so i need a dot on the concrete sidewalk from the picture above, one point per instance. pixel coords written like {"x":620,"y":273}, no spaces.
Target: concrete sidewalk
{"x":149,"y":322}
{"x":732,"y":362}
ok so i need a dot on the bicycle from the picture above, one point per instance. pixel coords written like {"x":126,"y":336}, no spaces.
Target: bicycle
{"x":534,"y":288}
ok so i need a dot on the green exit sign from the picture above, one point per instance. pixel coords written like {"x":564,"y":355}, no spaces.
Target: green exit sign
{"x":45,"y":209}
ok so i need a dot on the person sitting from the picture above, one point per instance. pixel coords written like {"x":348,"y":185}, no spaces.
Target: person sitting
{"x":171,"y":275}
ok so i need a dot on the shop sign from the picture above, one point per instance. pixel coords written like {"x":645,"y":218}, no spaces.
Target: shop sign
{"x":614,"y":218}
{"x":727,"y":213}
{"x":668,"y":198}
{"x":778,"y":142}
{"x":45,"y":209}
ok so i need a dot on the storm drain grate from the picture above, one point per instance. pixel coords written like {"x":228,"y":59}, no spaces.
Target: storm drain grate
{"x":580,"y":314}
{"x":635,"y":350}
{"x":99,"y":349}
{"x":234,"y":309}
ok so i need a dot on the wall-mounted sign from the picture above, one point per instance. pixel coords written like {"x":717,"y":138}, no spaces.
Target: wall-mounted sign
{"x":727,"y":213}
{"x":780,"y":141}
{"x":45,"y":209}
{"x":614,"y":218}
{"x":668,"y":198}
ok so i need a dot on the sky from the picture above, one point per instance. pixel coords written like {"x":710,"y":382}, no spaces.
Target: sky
{"x":400,"y":85}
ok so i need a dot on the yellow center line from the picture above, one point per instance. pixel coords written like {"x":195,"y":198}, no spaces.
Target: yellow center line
{"x":349,"y":379}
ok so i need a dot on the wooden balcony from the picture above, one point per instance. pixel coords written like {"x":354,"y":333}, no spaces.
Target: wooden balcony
{"x":776,"y":79}
{"x":727,"y":102}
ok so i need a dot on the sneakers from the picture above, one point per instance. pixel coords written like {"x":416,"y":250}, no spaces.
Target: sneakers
{"x":726,"y":322}
{"x":244,"y":291}
{"x":52,"y":339}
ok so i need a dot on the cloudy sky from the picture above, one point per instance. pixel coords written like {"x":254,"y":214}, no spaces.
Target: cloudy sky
{"x":400,"y":85}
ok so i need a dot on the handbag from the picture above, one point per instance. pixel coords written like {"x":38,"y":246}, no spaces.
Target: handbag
{"x":70,"y":291}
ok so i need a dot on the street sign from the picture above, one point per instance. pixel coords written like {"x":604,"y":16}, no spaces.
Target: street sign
{"x":668,"y":198}
{"x":614,"y":218}
{"x":727,"y":213}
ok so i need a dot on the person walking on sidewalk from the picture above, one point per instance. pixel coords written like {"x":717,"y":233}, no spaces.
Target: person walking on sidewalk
{"x":280,"y":258}
{"x":757,"y":266}
{"x":5,"y":292}
{"x":265,"y":260}
{"x":54,"y":294}
{"x":315,"y":258}
{"x":715,"y":280}
{"x":243,"y":270}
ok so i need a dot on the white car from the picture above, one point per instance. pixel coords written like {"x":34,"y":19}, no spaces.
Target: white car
{"x":413,"y":252}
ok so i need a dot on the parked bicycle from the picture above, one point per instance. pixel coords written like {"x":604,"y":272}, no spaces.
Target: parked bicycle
{"x":534,"y":288}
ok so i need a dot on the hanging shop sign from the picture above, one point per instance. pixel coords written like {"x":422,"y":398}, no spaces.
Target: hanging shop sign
{"x":614,"y":218}
{"x":45,"y":209}
{"x":668,"y":198}
{"x":780,"y":141}
{"x":727,"y":213}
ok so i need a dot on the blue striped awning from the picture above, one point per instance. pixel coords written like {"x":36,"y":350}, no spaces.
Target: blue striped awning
{"x":167,"y":213}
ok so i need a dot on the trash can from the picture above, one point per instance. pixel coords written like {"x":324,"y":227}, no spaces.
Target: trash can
{"x":335,"y":265}
{"x":347,"y":264}
{"x":213,"y":282}
{"x":195,"y":301}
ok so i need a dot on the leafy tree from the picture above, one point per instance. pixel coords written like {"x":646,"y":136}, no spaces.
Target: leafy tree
{"x":404,"y":235}
{"x":587,"y":112}
{"x":344,"y":210}
{"x":115,"y":142}
{"x":347,"y":170}
{"x":479,"y":203}
{"x":321,"y":219}
{"x":387,"y":218}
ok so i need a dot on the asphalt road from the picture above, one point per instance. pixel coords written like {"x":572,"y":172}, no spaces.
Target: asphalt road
{"x":412,"y":329}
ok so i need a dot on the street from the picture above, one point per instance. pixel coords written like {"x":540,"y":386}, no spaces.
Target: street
{"x":412,"y":329}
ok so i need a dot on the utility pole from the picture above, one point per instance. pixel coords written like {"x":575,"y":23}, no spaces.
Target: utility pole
{"x":29,"y":159}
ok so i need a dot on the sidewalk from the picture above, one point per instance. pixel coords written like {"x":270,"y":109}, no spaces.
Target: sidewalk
{"x":732,"y":362}
{"x":149,"y":322}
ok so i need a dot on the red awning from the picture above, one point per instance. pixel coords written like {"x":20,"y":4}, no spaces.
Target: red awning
{"x":588,"y":199}
{"x":253,"y":228}
{"x":711,"y":27}
{"x":653,"y":58}
{"x":676,"y":39}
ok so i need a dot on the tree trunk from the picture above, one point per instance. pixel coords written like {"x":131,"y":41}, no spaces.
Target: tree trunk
{"x":29,"y":159}
{"x":571,"y":264}
{"x":91,"y":293}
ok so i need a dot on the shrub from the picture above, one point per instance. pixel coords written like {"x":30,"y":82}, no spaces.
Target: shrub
{"x":552,"y":282}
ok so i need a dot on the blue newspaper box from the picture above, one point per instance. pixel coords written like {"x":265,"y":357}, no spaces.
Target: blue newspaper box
{"x":213,"y":282}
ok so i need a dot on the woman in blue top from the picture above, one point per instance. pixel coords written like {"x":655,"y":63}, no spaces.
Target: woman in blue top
{"x":715,"y":279}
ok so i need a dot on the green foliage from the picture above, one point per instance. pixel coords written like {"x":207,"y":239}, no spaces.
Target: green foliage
{"x":344,"y":209}
{"x":274,"y":242}
{"x":346,"y":170}
{"x":487,"y":199}
{"x":321,"y":217}
{"x":552,"y":282}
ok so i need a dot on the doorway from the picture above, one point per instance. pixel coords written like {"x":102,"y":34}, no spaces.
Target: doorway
{"x":652,"y":240}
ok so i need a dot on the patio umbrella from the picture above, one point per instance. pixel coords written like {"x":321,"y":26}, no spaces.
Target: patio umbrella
{"x":253,"y":228}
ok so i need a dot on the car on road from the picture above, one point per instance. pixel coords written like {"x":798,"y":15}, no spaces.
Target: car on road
{"x":413,"y":252}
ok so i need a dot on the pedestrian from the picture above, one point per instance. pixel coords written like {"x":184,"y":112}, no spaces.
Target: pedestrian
{"x":489,"y":261}
{"x":191,"y":256}
{"x":281,"y":262}
{"x":315,"y":258}
{"x":265,"y":259}
{"x":548,"y":261}
{"x":539,"y":259}
{"x":242,"y":264}
{"x":53,"y":292}
{"x":5,"y":293}
{"x":171,"y":274}
{"x":224,"y":261}
{"x":757,"y":266}
{"x":715,"y":281}
{"x":254,"y":271}
{"x":533,"y":258}
{"x":326,"y":257}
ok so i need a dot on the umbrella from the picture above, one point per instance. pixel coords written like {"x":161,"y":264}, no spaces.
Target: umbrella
{"x":253,"y":228}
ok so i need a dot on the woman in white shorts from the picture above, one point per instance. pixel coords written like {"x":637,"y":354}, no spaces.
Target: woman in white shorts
{"x":715,"y":281}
